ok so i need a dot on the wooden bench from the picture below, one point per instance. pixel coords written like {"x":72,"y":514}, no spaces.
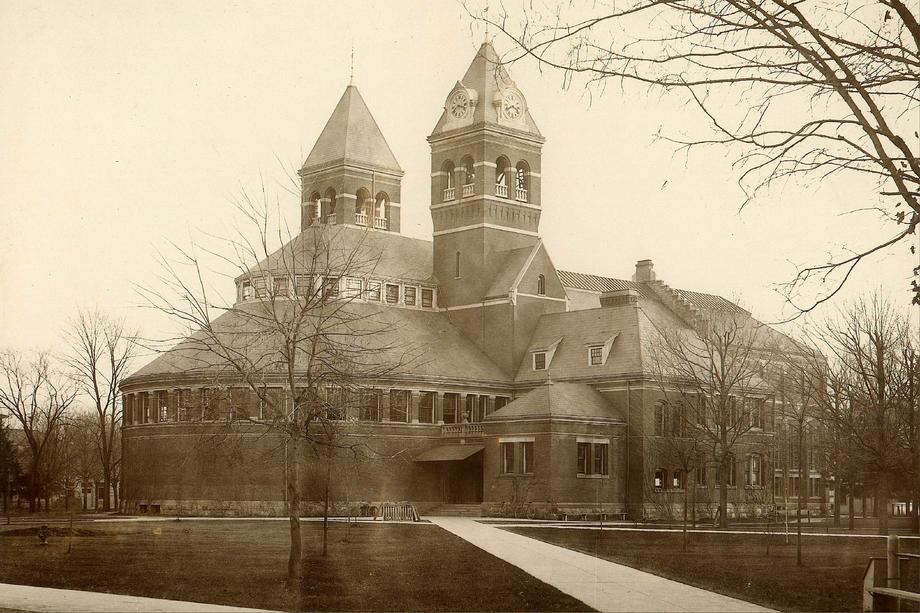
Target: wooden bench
{"x":891,"y":599}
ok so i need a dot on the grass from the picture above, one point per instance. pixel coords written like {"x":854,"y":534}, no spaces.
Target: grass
{"x":737,"y":565}
{"x":370,"y":567}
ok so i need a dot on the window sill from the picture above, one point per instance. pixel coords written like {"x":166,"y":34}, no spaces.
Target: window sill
{"x":591,"y":476}
{"x":513,"y":475}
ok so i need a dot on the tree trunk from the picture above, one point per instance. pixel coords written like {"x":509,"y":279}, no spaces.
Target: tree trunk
{"x":686,"y":500}
{"x":326,"y":507}
{"x":295,"y":567}
{"x":852,"y":507}
{"x":106,"y":486}
{"x":881,"y":506}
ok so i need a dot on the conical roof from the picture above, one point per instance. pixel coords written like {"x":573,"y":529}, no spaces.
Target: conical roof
{"x":490,"y":80}
{"x":352,"y":136}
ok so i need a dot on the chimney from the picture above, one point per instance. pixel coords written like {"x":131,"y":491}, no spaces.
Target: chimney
{"x":645,"y":271}
{"x":620,"y":297}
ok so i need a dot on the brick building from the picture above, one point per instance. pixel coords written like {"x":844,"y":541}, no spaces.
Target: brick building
{"x":536,"y":394}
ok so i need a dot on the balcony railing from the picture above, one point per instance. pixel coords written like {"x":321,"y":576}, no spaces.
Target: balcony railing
{"x":501,"y":190}
{"x":381,"y":223}
{"x":461,"y":430}
{"x":520,"y":194}
{"x":330,"y":219}
{"x":468,"y":190}
{"x":450,"y":193}
{"x":360,"y":219}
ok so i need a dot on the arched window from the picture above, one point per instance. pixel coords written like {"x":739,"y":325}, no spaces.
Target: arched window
{"x":457,"y":265}
{"x":469,"y":175}
{"x":447,"y":181}
{"x":315,"y":208}
{"x":328,"y":206}
{"x":541,"y":285}
{"x":521,"y":181}
{"x":381,"y":211}
{"x":364,"y":207}
{"x":502,"y":169}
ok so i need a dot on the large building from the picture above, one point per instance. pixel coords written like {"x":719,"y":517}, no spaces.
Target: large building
{"x":536,"y":394}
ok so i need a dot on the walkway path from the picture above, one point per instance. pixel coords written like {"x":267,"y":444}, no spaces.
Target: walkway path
{"x":28,"y":598}
{"x":598,"y":583}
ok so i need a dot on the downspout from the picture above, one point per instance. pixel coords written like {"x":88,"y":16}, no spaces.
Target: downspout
{"x":628,"y":424}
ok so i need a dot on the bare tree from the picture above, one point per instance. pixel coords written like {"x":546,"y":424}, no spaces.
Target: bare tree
{"x":788,"y":89}
{"x":865,"y":342}
{"x":715,"y":371}
{"x":100,"y":355}
{"x":303,"y":343}
{"x":38,"y":397}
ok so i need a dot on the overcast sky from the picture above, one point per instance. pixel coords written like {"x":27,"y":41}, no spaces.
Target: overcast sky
{"x":124,"y":124}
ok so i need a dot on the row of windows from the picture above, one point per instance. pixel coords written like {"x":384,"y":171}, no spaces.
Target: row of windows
{"x":333,"y":287}
{"x":517,"y":458}
{"x":225,"y":404}
{"x":753,"y":474}
{"x":504,"y":175}
{"x":673,"y":419}
{"x":368,"y":211}
{"x":790,"y":489}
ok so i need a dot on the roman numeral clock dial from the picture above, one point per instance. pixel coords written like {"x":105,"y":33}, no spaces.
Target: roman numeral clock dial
{"x":512,"y":105}
{"x":459,"y":105}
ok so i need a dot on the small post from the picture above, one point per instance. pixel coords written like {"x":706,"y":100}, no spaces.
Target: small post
{"x":893,"y":579}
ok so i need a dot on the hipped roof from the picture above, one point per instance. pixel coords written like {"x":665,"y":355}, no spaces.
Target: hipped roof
{"x":552,"y":399}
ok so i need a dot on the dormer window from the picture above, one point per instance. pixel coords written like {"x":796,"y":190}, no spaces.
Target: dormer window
{"x":409,"y":295}
{"x":373,"y":291}
{"x":392,"y":293}
{"x":353,"y":286}
{"x":539,"y":360}
{"x":427,"y":298}
{"x":246,"y":290}
{"x":596,"y":355}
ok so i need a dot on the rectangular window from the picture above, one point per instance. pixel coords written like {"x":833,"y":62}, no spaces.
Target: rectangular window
{"x":527,"y":458}
{"x":258,"y":285}
{"x":592,"y":458}
{"x":582,"y":458}
{"x":457,"y":265}
{"x":353,"y":287}
{"x":701,"y":472}
{"x":483,"y":407}
{"x":507,"y":453}
{"x":501,"y":401}
{"x":426,"y":407}
{"x":427,"y":298}
{"x":373,"y":291}
{"x":449,"y":409}
{"x":599,"y":451}
{"x":754,"y":475}
{"x":409,"y":295}
{"x":303,"y":286}
{"x":399,"y":405}
{"x":539,"y":360}
{"x":331,"y":287}
{"x":677,"y":481}
{"x":661,"y":423}
{"x":163,"y":405}
{"x":246,"y":291}
{"x":370,"y":406}
{"x":392,"y":293}
{"x":595,"y":356}
{"x":757,"y":412}
{"x":660,"y":478}
{"x":280,"y":287}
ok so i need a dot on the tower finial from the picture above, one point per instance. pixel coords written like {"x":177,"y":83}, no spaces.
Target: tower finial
{"x":351,"y":75}
{"x":487,"y":23}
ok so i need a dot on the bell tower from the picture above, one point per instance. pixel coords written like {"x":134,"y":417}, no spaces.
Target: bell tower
{"x":485,"y":180}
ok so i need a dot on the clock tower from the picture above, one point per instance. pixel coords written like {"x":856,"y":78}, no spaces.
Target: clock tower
{"x":485,"y":171}
{"x":495,"y":278}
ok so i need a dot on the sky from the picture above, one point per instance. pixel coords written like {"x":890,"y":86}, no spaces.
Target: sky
{"x":127,"y":126}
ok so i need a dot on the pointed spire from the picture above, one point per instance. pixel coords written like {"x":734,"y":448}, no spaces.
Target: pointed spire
{"x":488,"y":79}
{"x":352,"y":136}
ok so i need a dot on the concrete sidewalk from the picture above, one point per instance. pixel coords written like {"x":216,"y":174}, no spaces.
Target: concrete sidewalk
{"x":28,"y":598}
{"x":600,"y":584}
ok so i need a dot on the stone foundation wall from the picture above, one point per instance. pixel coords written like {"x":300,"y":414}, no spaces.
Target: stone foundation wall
{"x":260,"y":508}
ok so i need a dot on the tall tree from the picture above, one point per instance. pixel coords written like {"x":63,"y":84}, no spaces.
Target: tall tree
{"x":38,"y":396}
{"x":294,"y":324}
{"x":715,"y":369}
{"x":788,"y":89}
{"x":100,"y":355}
{"x":865,"y":341}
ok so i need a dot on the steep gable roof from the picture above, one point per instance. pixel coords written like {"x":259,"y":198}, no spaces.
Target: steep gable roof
{"x":352,"y":136}
{"x":570,"y":400}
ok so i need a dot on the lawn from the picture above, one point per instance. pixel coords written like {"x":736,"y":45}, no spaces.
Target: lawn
{"x":396,"y":567}
{"x":737,"y":564}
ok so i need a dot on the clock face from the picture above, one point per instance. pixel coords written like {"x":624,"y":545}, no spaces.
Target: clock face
{"x":512,"y":105}
{"x":459,"y":105}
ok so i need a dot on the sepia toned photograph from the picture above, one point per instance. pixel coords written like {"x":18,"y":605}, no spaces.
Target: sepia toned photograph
{"x":459,"y":305}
